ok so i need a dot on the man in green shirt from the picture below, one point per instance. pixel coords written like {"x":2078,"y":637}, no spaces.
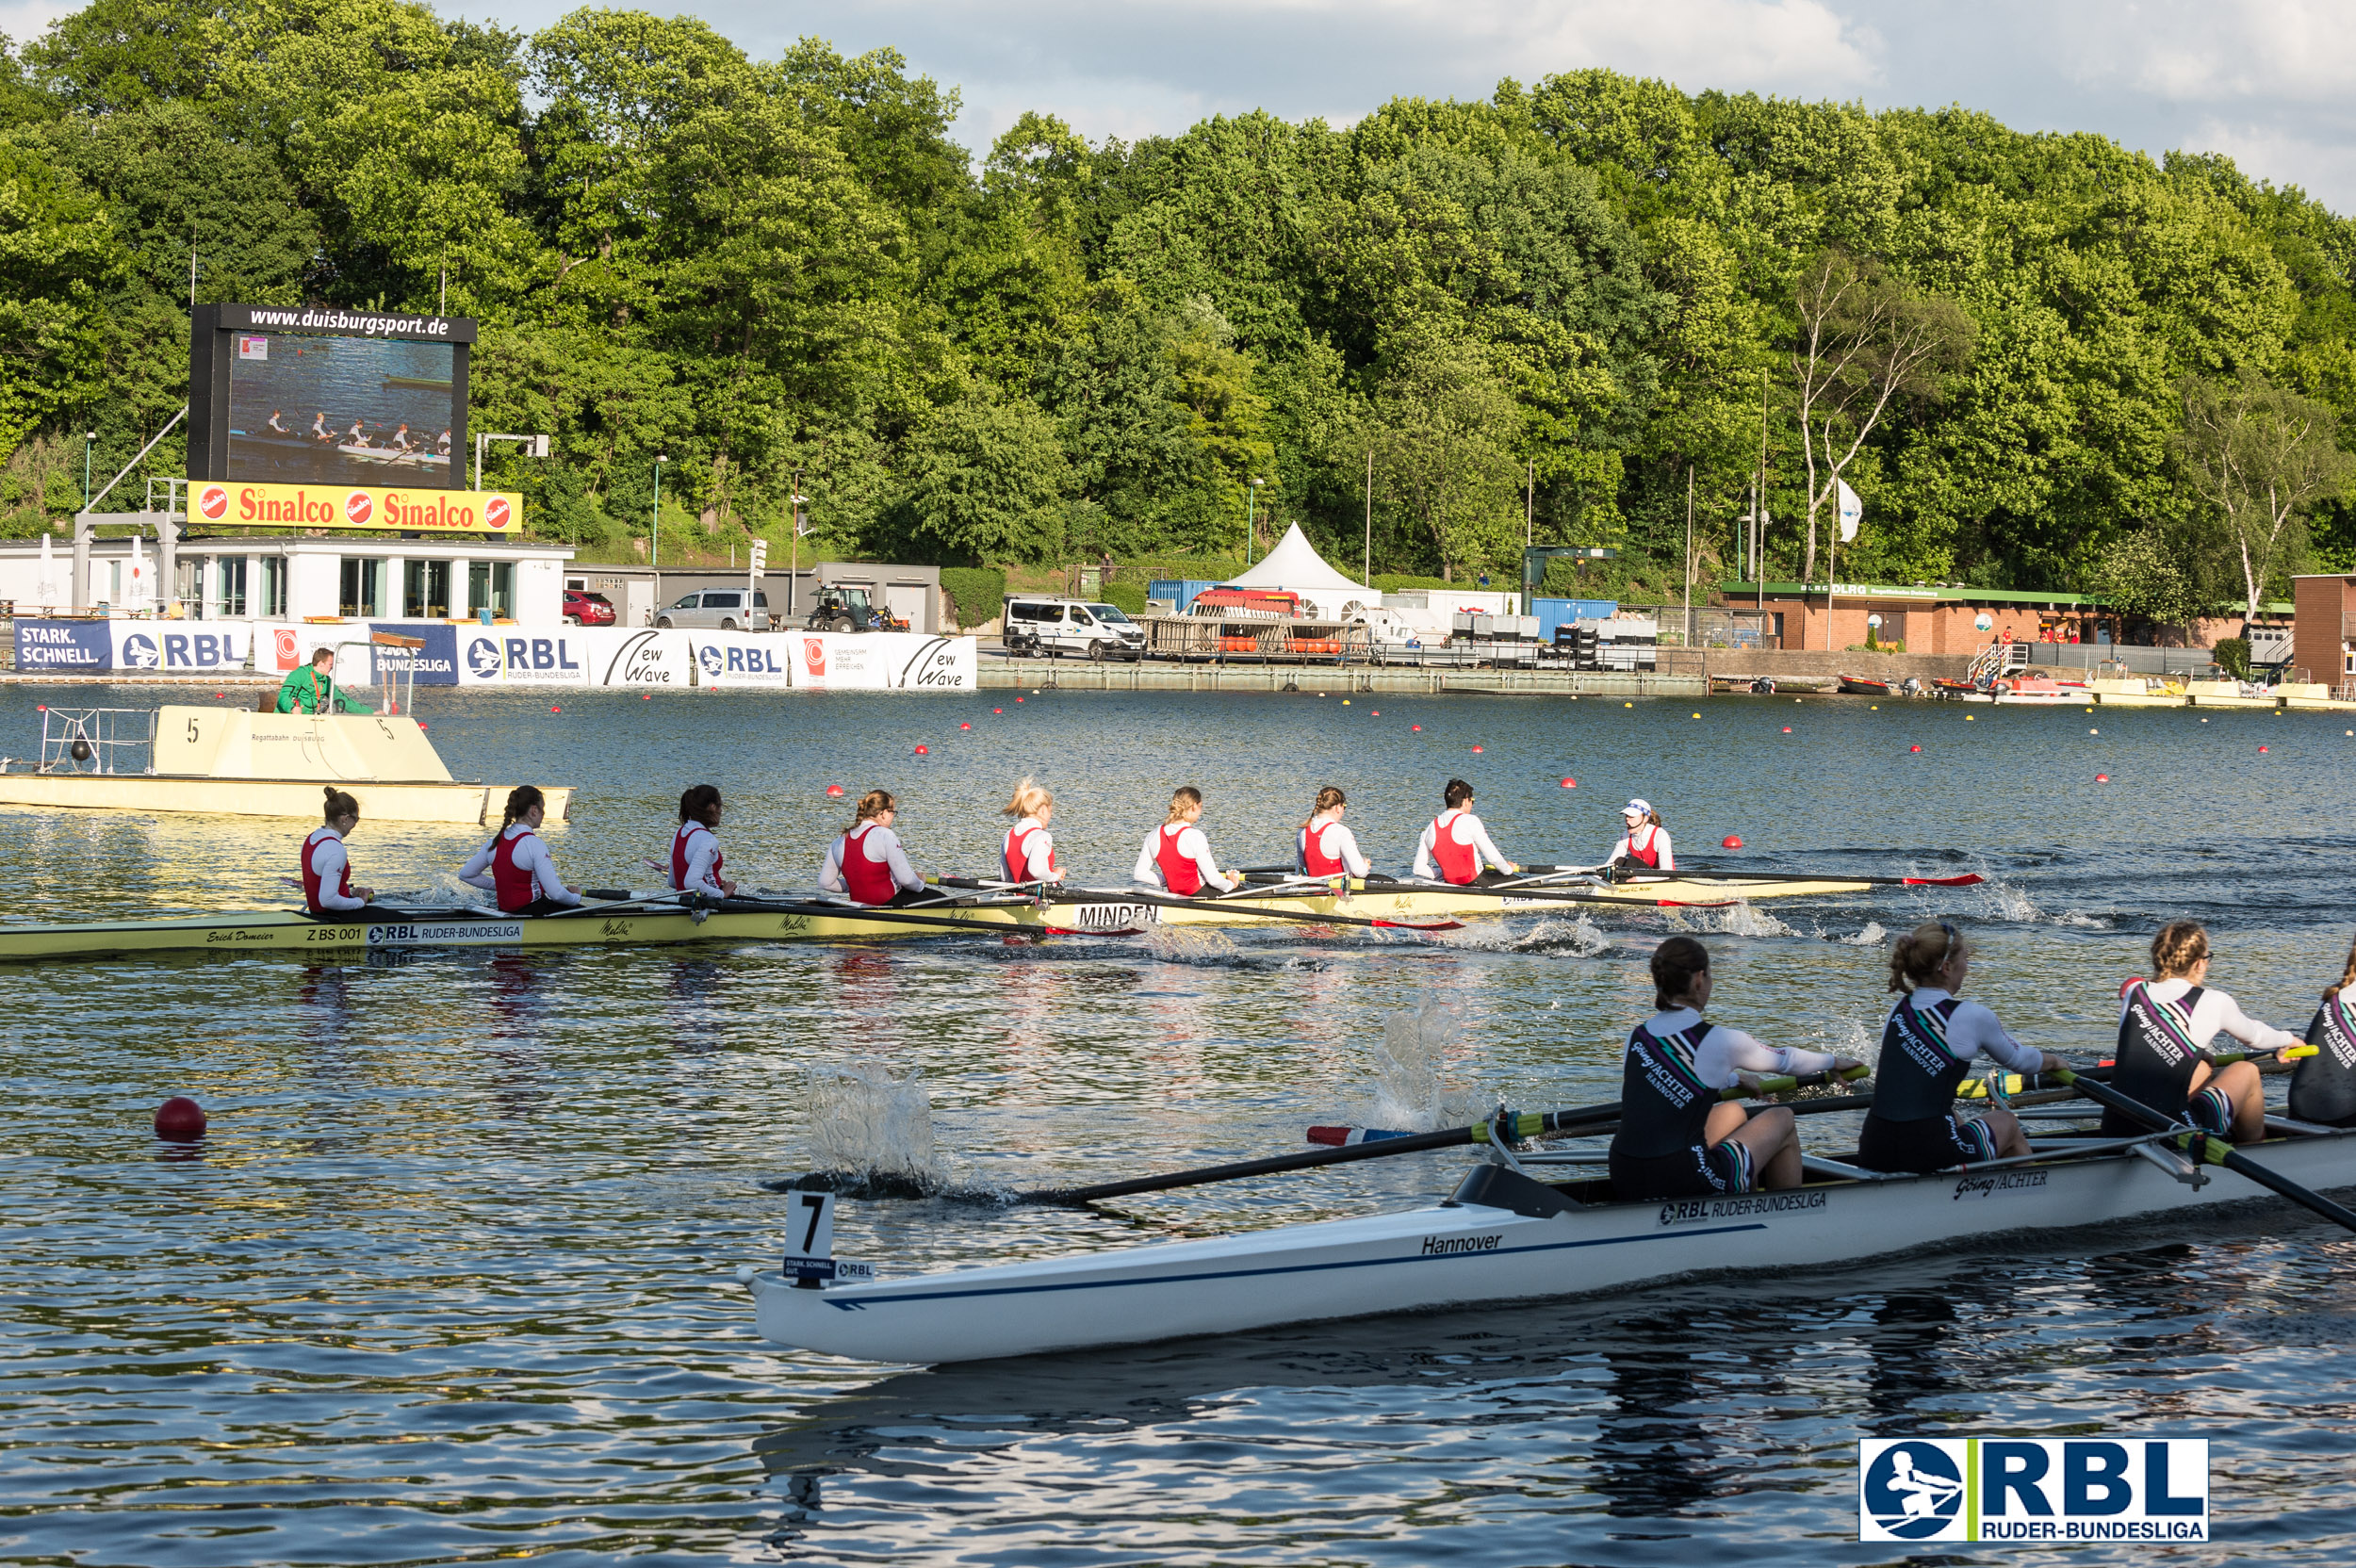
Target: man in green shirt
{"x":313,"y":689}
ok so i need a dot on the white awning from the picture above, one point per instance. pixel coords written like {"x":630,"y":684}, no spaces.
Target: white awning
{"x":1293,"y":566}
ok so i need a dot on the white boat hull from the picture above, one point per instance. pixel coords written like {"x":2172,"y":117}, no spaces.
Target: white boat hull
{"x":1453,"y":1256}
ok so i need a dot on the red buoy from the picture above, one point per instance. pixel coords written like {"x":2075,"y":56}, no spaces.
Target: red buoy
{"x":965,"y":726}
{"x":2102,"y":778}
{"x":834,"y":792}
{"x":1018,"y":699}
{"x":553,"y":709}
{"x":1378,"y":713}
{"x":2260,"y":748}
{"x":1732,"y":840}
{"x":1477,"y":750}
{"x":997,"y":710}
{"x":1918,"y":748}
{"x":921,"y":751}
{"x":1786,"y":730}
{"x":1570,"y":783}
{"x":1417,"y":727}
{"x":180,"y":1119}
{"x":646,"y":697}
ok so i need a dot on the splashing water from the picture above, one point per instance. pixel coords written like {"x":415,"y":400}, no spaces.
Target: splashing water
{"x":2001,"y":900}
{"x":1872,"y":936}
{"x":1738,"y":920}
{"x":871,"y":1117}
{"x":1407,"y":1092}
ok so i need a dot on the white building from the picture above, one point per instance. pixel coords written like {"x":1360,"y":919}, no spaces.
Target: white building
{"x":385,"y":577}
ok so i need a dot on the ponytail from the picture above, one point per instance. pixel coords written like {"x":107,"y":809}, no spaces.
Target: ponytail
{"x":1029,"y":800}
{"x":520,"y":799}
{"x":1328,"y":798}
{"x":698,"y":803}
{"x":1916,"y":958}
{"x":2179,"y":945}
{"x":1675,"y":964}
{"x":1180,"y":798}
{"x":339,"y":804}
{"x":873,"y":804}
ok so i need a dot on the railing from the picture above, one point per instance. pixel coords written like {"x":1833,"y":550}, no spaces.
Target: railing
{"x":1999,"y":659}
{"x":93,"y":740}
{"x":2111,"y":659}
{"x":1702,"y":628}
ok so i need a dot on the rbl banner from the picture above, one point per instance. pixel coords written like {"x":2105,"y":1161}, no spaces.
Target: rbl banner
{"x":494,"y":511}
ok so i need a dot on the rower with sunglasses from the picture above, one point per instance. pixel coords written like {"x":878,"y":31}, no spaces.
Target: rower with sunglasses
{"x":1928,"y":1046}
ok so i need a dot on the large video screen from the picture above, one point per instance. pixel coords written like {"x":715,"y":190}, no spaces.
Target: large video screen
{"x":306,"y":409}
{"x":327,"y":397}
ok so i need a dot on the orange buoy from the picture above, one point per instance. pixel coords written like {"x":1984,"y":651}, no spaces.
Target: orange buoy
{"x":180,"y":1119}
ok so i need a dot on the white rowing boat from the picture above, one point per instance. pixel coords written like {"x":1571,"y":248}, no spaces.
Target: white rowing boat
{"x":1502,"y":1236}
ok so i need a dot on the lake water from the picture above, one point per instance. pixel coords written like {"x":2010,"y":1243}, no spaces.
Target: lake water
{"x":452,"y":1278}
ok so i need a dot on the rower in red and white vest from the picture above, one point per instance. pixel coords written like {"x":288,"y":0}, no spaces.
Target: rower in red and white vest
{"x":867,"y":865}
{"x":1028,"y":852}
{"x":1325,"y":847}
{"x":327,"y":890}
{"x":515,"y":867}
{"x":695,"y":857}
{"x":1456,"y":845}
{"x":1645,"y":844}
{"x":1177,"y":854}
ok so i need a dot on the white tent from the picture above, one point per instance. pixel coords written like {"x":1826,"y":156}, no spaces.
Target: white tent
{"x":1293,"y":566}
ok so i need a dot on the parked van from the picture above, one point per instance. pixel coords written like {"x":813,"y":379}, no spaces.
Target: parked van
{"x":1056,"y":627}
{"x":716,"y":609}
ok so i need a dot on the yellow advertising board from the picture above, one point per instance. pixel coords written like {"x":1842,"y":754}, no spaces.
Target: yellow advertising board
{"x":223,"y":503}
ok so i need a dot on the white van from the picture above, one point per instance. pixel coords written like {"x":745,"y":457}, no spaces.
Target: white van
{"x":717,"y":610}
{"x":1056,"y":627}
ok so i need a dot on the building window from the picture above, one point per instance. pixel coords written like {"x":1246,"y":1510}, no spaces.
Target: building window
{"x":425,"y":591}
{"x":187,"y":584}
{"x":491,"y":585}
{"x":363,"y":591}
{"x":229,"y":587}
{"x":273,"y":601}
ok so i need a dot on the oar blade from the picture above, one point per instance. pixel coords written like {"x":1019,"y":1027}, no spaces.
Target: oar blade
{"x":1418,"y":924}
{"x":1968,"y":880}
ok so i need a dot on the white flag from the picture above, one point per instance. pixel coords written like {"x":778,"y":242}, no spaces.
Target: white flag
{"x":1852,"y":511}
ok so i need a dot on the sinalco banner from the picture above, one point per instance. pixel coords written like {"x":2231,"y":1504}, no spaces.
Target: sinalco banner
{"x":225,"y":504}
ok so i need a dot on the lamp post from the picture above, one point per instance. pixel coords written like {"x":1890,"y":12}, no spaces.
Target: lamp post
{"x":1251,"y":518}
{"x":654,"y":534}
{"x":794,"y":545}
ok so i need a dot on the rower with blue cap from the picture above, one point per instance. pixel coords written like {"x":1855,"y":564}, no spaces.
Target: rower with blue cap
{"x":1645,"y":844}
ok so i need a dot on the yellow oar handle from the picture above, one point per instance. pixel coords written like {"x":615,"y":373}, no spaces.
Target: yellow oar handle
{"x":1786,"y":1082}
{"x":2293,"y":1052}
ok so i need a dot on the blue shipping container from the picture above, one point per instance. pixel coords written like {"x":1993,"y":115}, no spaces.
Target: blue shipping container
{"x":1555,"y":613}
{"x":1179,"y":591}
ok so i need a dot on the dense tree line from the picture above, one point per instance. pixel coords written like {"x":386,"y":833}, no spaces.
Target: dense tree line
{"x":2041,"y":360}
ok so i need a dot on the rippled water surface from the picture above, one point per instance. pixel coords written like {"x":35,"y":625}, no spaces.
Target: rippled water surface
{"x":451,"y":1279}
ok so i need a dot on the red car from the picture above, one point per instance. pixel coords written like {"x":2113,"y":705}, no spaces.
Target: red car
{"x":586,"y":608}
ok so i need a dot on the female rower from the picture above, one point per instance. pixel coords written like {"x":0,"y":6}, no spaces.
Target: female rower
{"x":1928,"y":1046}
{"x":327,"y":890}
{"x":1028,"y":853}
{"x":2323,"y":1090}
{"x":1645,"y":844}
{"x":2165,"y":1027}
{"x":1326,"y":848}
{"x":695,"y":857}
{"x":1678,"y":1138}
{"x":1459,"y":843}
{"x":1177,"y":854}
{"x":867,"y":864}
{"x":515,"y":867}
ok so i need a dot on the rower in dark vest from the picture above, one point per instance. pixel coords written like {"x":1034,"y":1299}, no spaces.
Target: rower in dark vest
{"x":1028,"y":852}
{"x":2165,"y":1027}
{"x":1177,"y":854}
{"x":1455,"y":847}
{"x":695,"y":857}
{"x":515,"y":867}
{"x":1928,"y":1045}
{"x":1677,"y":1138}
{"x":867,"y":863}
{"x":2323,"y":1090}
{"x":1645,"y":844}
{"x":327,"y":890}
{"x":1324,"y":847}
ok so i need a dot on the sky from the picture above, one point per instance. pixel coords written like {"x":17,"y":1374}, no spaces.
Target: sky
{"x":2266,"y":82}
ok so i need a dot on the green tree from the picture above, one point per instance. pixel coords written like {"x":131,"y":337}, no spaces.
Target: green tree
{"x":2260,"y":459}
{"x":1436,"y":432}
{"x":985,"y":481}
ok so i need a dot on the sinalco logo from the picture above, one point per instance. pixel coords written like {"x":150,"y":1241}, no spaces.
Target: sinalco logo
{"x":138,"y":651}
{"x":213,"y":503}
{"x":1912,"y":1490}
{"x":482,"y":658}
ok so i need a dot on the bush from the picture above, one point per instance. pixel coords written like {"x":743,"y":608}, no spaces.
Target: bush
{"x":2233,"y":656}
{"x":978,"y":592}
{"x":1128,"y":597}
{"x":1401,"y":583}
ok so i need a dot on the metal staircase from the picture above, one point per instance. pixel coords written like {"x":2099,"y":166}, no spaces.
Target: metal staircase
{"x":1997,"y":661}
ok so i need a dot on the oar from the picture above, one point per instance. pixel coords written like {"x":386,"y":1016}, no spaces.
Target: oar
{"x":886,"y":916}
{"x":1769,"y":1085}
{"x":2209,"y":1146}
{"x":1968,"y":880}
{"x":1229,"y":906}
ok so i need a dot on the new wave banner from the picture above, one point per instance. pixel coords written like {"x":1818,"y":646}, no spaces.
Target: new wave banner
{"x":882,"y":661}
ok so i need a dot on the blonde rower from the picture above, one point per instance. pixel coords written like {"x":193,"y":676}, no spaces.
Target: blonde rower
{"x":1177,"y":854}
{"x":2165,"y":1027}
{"x":1029,"y":853}
{"x":1325,"y":847}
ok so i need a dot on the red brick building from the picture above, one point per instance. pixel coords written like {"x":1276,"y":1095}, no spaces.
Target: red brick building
{"x":2323,"y":634}
{"x":1923,"y":619}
